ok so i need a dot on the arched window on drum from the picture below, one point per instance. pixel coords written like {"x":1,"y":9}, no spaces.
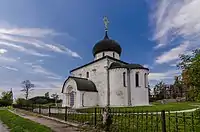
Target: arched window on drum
{"x":124,"y":79}
{"x":137,"y":79}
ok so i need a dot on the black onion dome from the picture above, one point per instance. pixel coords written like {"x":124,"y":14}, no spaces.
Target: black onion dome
{"x":107,"y":45}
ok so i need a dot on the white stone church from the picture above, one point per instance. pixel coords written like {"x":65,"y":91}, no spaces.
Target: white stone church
{"x":107,"y":80}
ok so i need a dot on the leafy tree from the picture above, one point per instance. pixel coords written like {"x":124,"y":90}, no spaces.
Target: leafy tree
{"x":21,"y":101}
{"x":178,"y":86}
{"x":6,"y":98}
{"x":190,"y":64}
{"x":160,"y":90}
{"x":46,"y":94}
{"x":43,"y":100}
{"x":27,"y":87}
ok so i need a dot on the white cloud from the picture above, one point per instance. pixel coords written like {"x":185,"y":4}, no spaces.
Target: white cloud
{"x":176,"y":18}
{"x":22,"y":49}
{"x":10,"y":68}
{"x":18,"y":39}
{"x":172,"y":54}
{"x":175,"y":22}
{"x":38,"y":69}
{"x":62,"y":49}
{"x":52,"y":77}
{"x":34,"y":37}
{"x":38,"y":44}
{"x":28,"y":63}
{"x":28,"y":32}
{"x":173,"y":65}
{"x":163,"y":75}
{"x":2,"y":51}
{"x":14,"y":46}
{"x":7,"y":59}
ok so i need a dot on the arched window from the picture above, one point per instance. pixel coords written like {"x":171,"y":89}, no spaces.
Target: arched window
{"x":145,"y":80}
{"x":72,"y":98}
{"x":103,"y":54}
{"x":113,"y":54}
{"x":87,"y":75}
{"x":124,"y":79}
{"x":137,"y":79}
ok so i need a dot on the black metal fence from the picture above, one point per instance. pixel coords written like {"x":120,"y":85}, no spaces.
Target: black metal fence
{"x":123,"y":119}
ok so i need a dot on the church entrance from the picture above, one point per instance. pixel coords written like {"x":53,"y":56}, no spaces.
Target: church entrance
{"x":71,"y":96}
{"x":71,"y":99}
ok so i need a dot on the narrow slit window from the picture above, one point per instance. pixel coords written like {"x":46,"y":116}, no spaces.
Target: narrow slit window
{"x":87,"y":75}
{"x":103,"y":54}
{"x":113,"y":54}
{"x":137,"y":79}
{"x":124,"y":79}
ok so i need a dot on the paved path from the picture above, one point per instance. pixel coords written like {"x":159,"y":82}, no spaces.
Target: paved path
{"x":54,"y":125}
{"x":3,"y":128}
{"x":154,"y":113}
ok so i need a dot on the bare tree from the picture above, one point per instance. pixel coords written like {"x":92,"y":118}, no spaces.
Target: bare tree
{"x":27,"y":87}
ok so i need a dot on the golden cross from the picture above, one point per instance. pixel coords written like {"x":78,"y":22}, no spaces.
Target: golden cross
{"x":106,"y":22}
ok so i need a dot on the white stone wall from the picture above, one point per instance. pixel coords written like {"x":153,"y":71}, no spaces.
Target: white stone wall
{"x":97,"y":74}
{"x":139,"y":95}
{"x":118,"y":93}
{"x":64,"y":100}
{"x":89,"y":99}
{"x":107,"y":53}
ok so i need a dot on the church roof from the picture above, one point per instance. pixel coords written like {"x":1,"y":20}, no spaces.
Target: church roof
{"x":97,"y":61}
{"x":83,"y":84}
{"x":130,"y":66}
{"x":107,"y":45}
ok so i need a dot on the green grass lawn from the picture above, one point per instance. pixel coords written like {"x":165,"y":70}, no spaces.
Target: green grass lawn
{"x":19,"y":124}
{"x":155,"y":107}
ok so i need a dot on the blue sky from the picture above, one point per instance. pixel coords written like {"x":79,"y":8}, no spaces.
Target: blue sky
{"x":43,"y":40}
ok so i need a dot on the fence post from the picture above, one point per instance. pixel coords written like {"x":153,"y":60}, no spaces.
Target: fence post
{"x":65,"y":113}
{"x":95,"y":116}
{"x":39,"y":109}
{"x":49,"y":110}
{"x":163,"y":121}
{"x":32,"y":108}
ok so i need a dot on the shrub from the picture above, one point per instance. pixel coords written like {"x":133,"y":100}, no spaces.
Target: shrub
{"x":22,"y":101}
{"x":5,"y":103}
